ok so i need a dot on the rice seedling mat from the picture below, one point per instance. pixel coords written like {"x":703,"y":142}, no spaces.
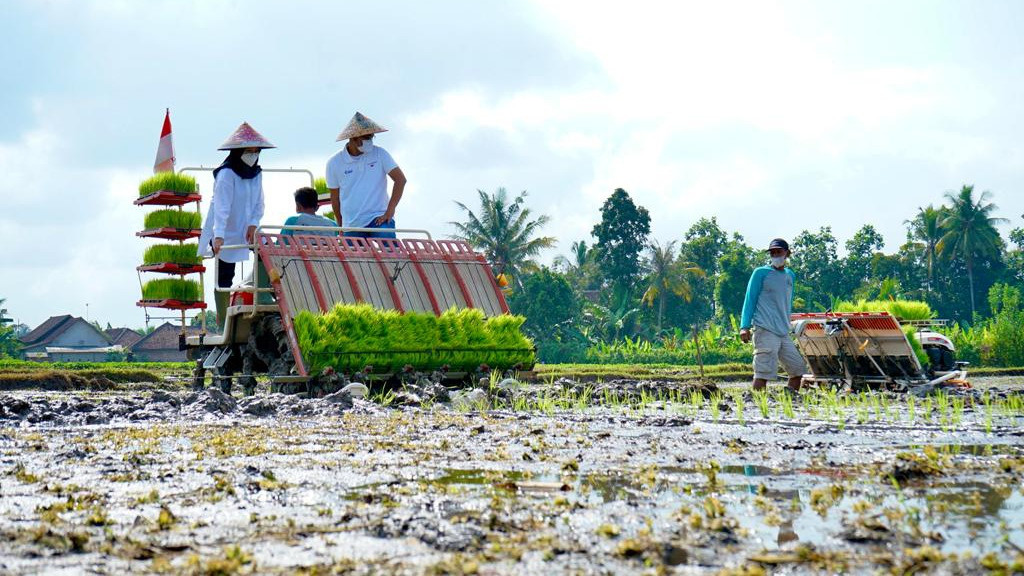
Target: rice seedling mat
{"x":171,"y":304}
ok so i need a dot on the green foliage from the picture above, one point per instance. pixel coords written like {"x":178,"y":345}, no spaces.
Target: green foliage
{"x":173,"y":218}
{"x":552,"y":310}
{"x":901,"y":309}
{"x":177,"y":253}
{"x":621,"y":237}
{"x":717,"y":346}
{"x":915,"y":345}
{"x":970,"y":232}
{"x":352,"y":336}
{"x":504,"y":231}
{"x":169,"y":181}
{"x":7,"y":365}
{"x":320,"y":185}
{"x":171,"y":289}
{"x":1003,"y":334}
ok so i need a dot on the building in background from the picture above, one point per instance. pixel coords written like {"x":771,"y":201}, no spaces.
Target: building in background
{"x":67,"y":338}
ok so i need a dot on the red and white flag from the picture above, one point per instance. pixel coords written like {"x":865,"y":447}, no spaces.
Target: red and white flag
{"x":165,"y":152}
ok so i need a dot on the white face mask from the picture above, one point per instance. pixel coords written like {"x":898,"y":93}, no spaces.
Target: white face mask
{"x":250,"y":158}
{"x":778,"y":261}
{"x":366,"y":146}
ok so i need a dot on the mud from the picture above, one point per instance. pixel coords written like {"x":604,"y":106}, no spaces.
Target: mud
{"x":607,"y":478}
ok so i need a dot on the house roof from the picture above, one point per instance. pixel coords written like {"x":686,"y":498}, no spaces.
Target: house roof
{"x":165,"y":337}
{"x":53,"y":326}
{"x":124,"y":336}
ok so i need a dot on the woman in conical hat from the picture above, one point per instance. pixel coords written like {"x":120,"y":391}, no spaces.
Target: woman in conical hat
{"x":236,"y":207}
{"x":357,"y":180}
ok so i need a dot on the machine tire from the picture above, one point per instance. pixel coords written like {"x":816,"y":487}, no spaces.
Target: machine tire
{"x":268,"y":342}
{"x":940,"y":359}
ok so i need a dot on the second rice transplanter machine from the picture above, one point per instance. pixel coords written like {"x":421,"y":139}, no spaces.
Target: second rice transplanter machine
{"x":871,"y":349}
{"x":304,"y":271}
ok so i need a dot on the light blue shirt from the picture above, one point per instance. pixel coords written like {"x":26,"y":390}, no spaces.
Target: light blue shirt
{"x":769,"y":300}
{"x":303,"y":219}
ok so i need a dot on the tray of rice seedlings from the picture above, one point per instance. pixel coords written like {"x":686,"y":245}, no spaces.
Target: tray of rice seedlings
{"x":172,"y":224}
{"x":168,"y":189}
{"x":352,"y":336}
{"x":171,"y":293}
{"x":902,"y":310}
{"x":172,"y":259}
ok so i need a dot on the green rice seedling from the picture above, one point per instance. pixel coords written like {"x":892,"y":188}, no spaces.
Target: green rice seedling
{"x":176,"y":253}
{"x":696,"y":401}
{"x":957,"y":413}
{"x":172,"y":218}
{"x":911,"y":408}
{"x":168,"y":181}
{"x":927,"y":406}
{"x":740,"y":403}
{"x":583,"y":400}
{"x":761,"y":399}
{"x":171,"y":289}
{"x":716,"y":411}
{"x":785,"y":400}
{"x":320,"y":185}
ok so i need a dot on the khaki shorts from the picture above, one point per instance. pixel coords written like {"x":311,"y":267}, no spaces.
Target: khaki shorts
{"x":769,"y":349}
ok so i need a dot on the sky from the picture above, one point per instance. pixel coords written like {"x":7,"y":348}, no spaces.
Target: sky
{"x":774,"y":117}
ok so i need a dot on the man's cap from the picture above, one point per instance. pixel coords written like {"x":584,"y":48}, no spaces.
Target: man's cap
{"x":358,"y":126}
{"x":246,"y":136}
{"x":778,"y":243}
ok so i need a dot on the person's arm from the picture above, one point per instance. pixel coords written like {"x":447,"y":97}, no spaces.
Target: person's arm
{"x":750,"y":301}
{"x":336,"y":204}
{"x":255,"y":214}
{"x":398,"y":177}
{"x":224,"y":196}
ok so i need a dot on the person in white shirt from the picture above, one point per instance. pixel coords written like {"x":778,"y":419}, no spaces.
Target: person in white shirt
{"x":235,"y":209}
{"x":357,"y":180}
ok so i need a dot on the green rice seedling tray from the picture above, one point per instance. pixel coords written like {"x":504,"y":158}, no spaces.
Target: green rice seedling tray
{"x":172,"y":289}
{"x":173,"y":218}
{"x":168,"y":182}
{"x":172,"y":268}
{"x":171,"y":304}
{"x":352,"y":336}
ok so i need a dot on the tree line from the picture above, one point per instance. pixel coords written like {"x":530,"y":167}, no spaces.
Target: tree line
{"x":621,"y":283}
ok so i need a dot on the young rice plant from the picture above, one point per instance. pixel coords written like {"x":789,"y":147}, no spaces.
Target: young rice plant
{"x":176,"y":253}
{"x":169,"y":181}
{"x":171,"y":289}
{"x":171,"y":218}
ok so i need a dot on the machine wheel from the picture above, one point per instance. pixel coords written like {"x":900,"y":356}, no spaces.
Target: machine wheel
{"x":268,"y":347}
{"x":940,"y":359}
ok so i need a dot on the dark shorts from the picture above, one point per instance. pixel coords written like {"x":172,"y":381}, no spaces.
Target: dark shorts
{"x":389,"y":225}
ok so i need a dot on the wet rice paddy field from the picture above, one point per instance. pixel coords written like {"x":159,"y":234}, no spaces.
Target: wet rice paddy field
{"x":556,"y":477}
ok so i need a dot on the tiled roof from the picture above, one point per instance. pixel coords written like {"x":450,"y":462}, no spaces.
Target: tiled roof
{"x":48,"y":330}
{"x":165,"y":337}
{"x":124,"y":336}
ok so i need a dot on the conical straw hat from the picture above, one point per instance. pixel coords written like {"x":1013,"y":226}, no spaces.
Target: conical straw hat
{"x":360,"y":125}
{"x":245,"y":137}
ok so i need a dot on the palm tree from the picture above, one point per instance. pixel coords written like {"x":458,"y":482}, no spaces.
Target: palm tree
{"x":504,"y":232}
{"x":926,"y":227}
{"x":970,"y":231}
{"x":579,"y":252}
{"x":668,"y":274}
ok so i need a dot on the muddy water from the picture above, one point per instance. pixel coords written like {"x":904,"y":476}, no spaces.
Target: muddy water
{"x":175,"y":482}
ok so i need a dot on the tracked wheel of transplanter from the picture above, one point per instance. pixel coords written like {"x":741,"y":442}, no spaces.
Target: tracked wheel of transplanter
{"x":268,"y":347}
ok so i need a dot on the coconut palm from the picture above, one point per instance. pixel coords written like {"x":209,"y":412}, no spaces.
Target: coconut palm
{"x":578,"y":254}
{"x":504,"y":231}
{"x":668,"y":274}
{"x":926,"y":227}
{"x":970,"y":231}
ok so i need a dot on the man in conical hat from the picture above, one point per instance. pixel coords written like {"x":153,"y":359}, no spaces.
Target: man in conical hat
{"x":357,"y":180}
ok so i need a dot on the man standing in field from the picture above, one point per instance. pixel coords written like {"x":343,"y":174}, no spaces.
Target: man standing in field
{"x":766,"y":312}
{"x":357,"y":180}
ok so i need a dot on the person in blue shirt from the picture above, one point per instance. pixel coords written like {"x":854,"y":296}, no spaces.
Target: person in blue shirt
{"x":765,"y":319}
{"x":306,"y":203}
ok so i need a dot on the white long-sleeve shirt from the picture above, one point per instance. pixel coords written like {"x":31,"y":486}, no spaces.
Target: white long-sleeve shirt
{"x":237,"y":204}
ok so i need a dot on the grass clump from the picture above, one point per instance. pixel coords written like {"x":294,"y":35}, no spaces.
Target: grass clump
{"x":171,"y":218}
{"x":350,"y":337}
{"x":176,"y":253}
{"x":171,"y":289}
{"x":320,"y":185}
{"x":168,"y":181}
